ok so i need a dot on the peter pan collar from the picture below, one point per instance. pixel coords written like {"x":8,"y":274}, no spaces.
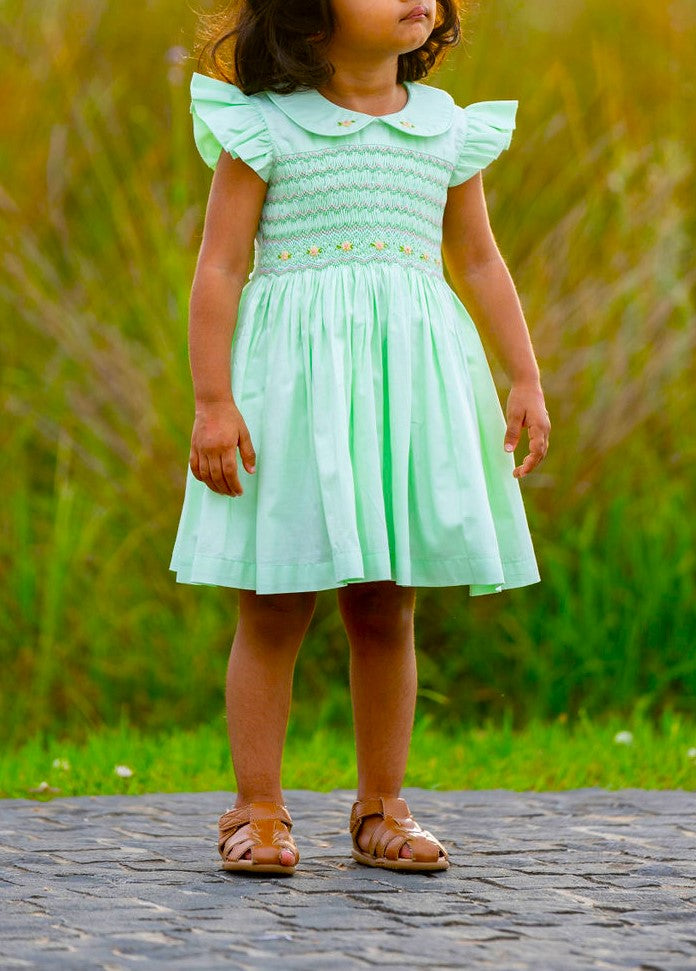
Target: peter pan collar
{"x":428,"y":111}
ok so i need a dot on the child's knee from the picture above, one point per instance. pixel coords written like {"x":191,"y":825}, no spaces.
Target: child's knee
{"x":380,"y":609}
{"x":283,"y":612}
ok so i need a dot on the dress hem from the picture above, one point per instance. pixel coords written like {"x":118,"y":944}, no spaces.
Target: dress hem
{"x":483,"y":578}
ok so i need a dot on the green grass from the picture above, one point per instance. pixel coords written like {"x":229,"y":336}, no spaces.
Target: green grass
{"x":102,"y":196}
{"x":542,"y":756}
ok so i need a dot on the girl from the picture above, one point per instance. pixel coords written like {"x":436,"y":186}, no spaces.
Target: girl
{"x":373,"y":452}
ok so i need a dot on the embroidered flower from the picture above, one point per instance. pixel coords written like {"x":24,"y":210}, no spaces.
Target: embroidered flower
{"x":436,"y":260}
{"x":379,"y":244}
{"x":345,"y":245}
{"x":406,"y":249}
{"x":314,"y":250}
{"x":407,"y":124}
{"x":284,"y":255}
{"x":347,"y":123}
{"x":425,"y":256}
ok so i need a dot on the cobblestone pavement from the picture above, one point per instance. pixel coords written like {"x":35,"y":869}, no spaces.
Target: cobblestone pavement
{"x":586,"y":878}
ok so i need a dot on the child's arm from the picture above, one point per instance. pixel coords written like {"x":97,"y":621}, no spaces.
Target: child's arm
{"x":232,"y":214}
{"x":484,"y":285}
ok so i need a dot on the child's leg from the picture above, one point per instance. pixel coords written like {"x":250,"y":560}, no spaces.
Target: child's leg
{"x":379,"y":622}
{"x":270,"y":631}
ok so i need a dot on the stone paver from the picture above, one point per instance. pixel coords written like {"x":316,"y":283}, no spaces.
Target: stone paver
{"x":586,"y":878}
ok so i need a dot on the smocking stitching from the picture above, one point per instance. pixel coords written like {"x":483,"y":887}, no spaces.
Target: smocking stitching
{"x":326,"y":153}
{"x":277,"y":197}
{"x":378,"y":230}
{"x":419,"y":215}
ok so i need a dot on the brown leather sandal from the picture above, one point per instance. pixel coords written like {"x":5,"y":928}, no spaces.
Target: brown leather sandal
{"x":265,"y":836}
{"x":397,"y":827}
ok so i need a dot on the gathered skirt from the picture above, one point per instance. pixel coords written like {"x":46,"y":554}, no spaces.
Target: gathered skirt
{"x":378,"y":434}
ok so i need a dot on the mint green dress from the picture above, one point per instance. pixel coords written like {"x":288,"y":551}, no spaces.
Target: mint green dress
{"x":361,"y":377}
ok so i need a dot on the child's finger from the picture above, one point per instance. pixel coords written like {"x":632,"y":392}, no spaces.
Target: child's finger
{"x":527,"y":465}
{"x":514,"y":417}
{"x":216,"y":475}
{"x":195,"y":465}
{"x":246,"y":450}
{"x":204,"y":471}
{"x":512,"y":435}
{"x":537,"y":451}
{"x":229,"y":469}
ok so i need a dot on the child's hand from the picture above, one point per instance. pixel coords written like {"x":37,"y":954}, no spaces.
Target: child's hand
{"x":217,"y":431}
{"x":526,"y":408}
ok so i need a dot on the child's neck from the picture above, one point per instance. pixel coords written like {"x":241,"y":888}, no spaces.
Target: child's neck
{"x":368,"y":88}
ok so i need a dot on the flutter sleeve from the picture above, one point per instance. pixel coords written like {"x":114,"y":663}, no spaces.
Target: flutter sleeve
{"x":485,"y":131}
{"x":226,"y":118}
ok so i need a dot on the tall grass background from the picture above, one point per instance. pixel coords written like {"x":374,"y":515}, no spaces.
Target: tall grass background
{"x":102,"y":196}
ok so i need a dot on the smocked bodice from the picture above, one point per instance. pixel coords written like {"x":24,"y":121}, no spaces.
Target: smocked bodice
{"x":357,"y":204}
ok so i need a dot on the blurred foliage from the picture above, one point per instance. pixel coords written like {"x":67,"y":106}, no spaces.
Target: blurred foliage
{"x":613,"y":752}
{"x":102,"y":196}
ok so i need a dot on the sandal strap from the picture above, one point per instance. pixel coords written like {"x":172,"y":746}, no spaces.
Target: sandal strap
{"x":266,"y":837}
{"x":257,"y":810}
{"x":394,"y":807}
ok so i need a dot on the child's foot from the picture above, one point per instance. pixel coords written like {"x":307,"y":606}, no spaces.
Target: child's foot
{"x":386,"y":821}
{"x":366,"y":830}
{"x":264,"y":823}
{"x":287,"y":857}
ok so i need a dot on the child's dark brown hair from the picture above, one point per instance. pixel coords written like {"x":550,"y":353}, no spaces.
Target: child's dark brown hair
{"x":277,"y":44}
